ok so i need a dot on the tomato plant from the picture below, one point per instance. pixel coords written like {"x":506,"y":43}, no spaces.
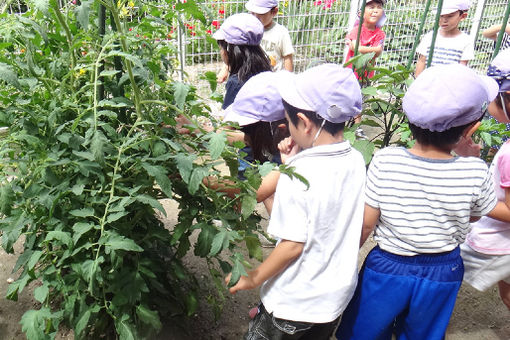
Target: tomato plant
{"x":89,"y":95}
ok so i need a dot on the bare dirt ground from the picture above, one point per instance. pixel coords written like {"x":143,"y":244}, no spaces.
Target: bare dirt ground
{"x":477,"y":315}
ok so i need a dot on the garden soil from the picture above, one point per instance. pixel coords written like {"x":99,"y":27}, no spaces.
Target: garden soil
{"x":477,"y":316}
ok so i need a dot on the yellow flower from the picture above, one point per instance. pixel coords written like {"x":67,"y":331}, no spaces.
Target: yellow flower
{"x":82,"y":71}
{"x":123,"y":12}
{"x":131,"y":4}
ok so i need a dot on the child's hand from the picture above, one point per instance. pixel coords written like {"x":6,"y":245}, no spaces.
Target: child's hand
{"x":244,"y":283}
{"x":288,"y":148}
{"x":223,"y":75}
{"x":466,"y":147}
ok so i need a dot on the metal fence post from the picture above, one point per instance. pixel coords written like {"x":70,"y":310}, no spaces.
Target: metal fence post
{"x":353,"y":14}
{"x":477,"y":20}
{"x":434,"y":34}
{"x":501,"y":31}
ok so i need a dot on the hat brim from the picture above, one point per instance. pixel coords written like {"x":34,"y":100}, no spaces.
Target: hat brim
{"x":219,"y":35}
{"x":492,"y":87}
{"x":232,"y":116}
{"x":256,"y":9}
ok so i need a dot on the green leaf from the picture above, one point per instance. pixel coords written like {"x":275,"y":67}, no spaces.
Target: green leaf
{"x":119,"y":242}
{"x":82,"y":323}
{"x":370,"y":90}
{"x":148,"y":317}
{"x":486,"y":137}
{"x":85,"y":212}
{"x":42,"y":6}
{"x":266,"y":168}
{"x":9,"y":76}
{"x":211,"y":77}
{"x":192,"y":8}
{"x":161,"y":176}
{"x":115,"y":216}
{"x":83,"y":13}
{"x":254,"y":247}
{"x":185,"y":165}
{"x":41,"y":293}
{"x":79,"y":229}
{"x":6,"y":199}
{"x":36,"y":255}
{"x":221,"y":241}
{"x":61,"y":236}
{"x":237,"y":271}
{"x":196,"y":178}
{"x":33,"y":323}
{"x":97,"y":146}
{"x":181,"y":92}
{"x":217,"y":144}
{"x":191,"y":303}
{"x":125,"y":328}
{"x":205,"y":239}
{"x":152,"y":202}
{"x":248,"y":205}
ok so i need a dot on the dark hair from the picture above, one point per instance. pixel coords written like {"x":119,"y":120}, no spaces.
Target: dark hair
{"x":263,"y":138}
{"x":332,"y":128}
{"x":245,"y":60}
{"x":438,"y":139}
{"x":505,"y":96}
{"x":381,"y":2}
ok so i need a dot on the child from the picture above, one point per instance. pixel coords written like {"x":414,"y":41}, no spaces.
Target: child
{"x":452,"y":45}
{"x":422,"y":200}
{"x":276,"y":41}
{"x":310,"y":276}
{"x":486,"y":252}
{"x":239,"y":40}
{"x":259,"y":111}
{"x":492,"y":33}
{"x":371,"y":40}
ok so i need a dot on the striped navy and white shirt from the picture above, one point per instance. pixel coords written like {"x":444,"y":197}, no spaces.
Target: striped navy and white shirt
{"x":426,"y":203}
{"x":447,"y":50}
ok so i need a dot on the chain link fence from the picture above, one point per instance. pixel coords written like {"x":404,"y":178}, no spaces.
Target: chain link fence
{"x":318,"y":29}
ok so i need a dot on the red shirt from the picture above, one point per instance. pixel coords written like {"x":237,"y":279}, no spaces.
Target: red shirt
{"x":367,"y":38}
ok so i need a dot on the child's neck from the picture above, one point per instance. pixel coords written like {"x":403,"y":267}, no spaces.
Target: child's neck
{"x":450,"y":34}
{"x":268,"y":26}
{"x":369,"y":26}
{"x":327,"y":138}
{"x":430,"y":151}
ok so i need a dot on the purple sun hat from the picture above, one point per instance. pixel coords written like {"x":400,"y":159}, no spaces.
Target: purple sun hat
{"x":447,"y":96}
{"x":241,"y":29}
{"x":258,"y":100}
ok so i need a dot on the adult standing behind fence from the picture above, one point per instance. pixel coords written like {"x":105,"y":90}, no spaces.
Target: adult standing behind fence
{"x":452,"y":45}
{"x":492,"y":33}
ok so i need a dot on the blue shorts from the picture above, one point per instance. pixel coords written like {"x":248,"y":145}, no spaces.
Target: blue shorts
{"x":410,"y":296}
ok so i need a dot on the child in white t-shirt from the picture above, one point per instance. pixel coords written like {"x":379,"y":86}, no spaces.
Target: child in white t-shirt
{"x":310,"y":276}
{"x":452,"y":45}
{"x":486,"y":252}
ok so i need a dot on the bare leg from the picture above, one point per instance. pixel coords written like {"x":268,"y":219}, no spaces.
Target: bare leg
{"x":504,"y":292}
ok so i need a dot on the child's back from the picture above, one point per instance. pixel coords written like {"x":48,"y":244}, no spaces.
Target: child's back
{"x":422,"y":200}
{"x":310,"y":276}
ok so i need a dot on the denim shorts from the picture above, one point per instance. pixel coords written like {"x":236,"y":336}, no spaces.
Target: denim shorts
{"x":265,"y":326}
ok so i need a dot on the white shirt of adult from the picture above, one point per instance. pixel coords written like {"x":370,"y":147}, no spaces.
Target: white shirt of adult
{"x":326,"y":217}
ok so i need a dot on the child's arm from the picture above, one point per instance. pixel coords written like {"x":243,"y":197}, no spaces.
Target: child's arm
{"x":420,"y":65}
{"x":492,"y":32}
{"x":288,"y":62}
{"x":223,"y":75}
{"x":501,"y":211}
{"x":464,"y":62}
{"x":370,"y":218}
{"x":284,"y":253}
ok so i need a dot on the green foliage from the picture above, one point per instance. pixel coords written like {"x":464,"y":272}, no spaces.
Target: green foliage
{"x":91,"y":150}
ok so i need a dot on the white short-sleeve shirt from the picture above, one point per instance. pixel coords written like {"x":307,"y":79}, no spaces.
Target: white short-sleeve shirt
{"x":327,"y":217}
{"x":447,"y":50}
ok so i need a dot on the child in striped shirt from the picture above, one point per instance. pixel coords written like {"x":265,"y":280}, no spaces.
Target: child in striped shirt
{"x":452,"y":46}
{"x":422,"y":200}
